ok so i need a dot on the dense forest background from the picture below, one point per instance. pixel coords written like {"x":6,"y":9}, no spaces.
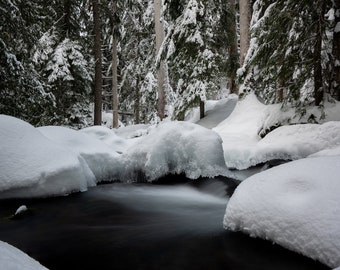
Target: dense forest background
{"x":63,"y":62}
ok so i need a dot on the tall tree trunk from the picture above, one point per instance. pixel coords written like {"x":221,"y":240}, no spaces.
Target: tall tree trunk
{"x":159,"y":30}
{"x":318,"y":81}
{"x":114,"y":71}
{"x":67,"y":17}
{"x":137,"y":98}
{"x":202,"y":109}
{"x":137,"y":91}
{"x":233,"y":50}
{"x":245,"y":17}
{"x":98,"y":65}
{"x":336,"y":53}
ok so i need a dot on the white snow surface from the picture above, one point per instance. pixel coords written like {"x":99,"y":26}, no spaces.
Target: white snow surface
{"x":55,"y":161}
{"x":12,"y":258}
{"x":31,"y":165}
{"x":296,"y":205}
{"x":21,"y":209}
{"x":242,"y":143}
{"x":101,"y":157}
{"x":107,"y":136}
{"x":176,"y":147}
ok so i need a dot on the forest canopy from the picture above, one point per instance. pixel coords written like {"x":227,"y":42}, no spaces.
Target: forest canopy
{"x":159,"y":58}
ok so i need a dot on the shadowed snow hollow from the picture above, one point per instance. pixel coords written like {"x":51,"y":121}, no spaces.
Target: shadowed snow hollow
{"x":33,"y":166}
{"x":174,"y":148}
{"x":296,"y":205}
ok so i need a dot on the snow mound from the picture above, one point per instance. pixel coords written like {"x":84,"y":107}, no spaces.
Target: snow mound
{"x":175,"y":148}
{"x":12,"y":258}
{"x":33,"y":166}
{"x":239,"y":131}
{"x":296,"y":205}
{"x":295,"y":142}
{"x":243,"y":147}
{"x":327,"y":152}
{"x":133,"y":131}
{"x":107,"y":136}
{"x":100,"y":157}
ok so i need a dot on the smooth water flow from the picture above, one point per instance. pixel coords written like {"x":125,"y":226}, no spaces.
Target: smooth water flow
{"x":120,"y":226}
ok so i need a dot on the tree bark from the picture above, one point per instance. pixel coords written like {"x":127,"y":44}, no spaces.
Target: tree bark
{"x":67,"y":18}
{"x":114,"y":72}
{"x":202,"y":109}
{"x":336,"y":53}
{"x":98,"y":65}
{"x":137,"y":105}
{"x":159,"y":30}
{"x":245,"y":17}
{"x":318,"y":80}
{"x":233,"y":50}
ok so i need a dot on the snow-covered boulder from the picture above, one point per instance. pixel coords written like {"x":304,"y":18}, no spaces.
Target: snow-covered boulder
{"x":12,"y":258}
{"x":243,"y":146}
{"x":33,"y":166}
{"x":175,"y":148}
{"x":296,"y":205}
{"x":296,"y":141}
{"x":101,"y":158}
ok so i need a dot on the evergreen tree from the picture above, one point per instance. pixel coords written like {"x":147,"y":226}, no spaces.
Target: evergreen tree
{"x":334,"y":17}
{"x":62,"y":58}
{"x":196,"y":51}
{"x":98,"y":63}
{"x":135,"y":39}
{"x":289,"y":55}
{"x":22,"y":91}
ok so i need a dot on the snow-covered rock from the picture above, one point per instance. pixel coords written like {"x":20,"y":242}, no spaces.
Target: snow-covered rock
{"x":12,"y":258}
{"x":33,"y":166}
{"x":295,"y":142}
{"x":296,"y":205}
{"x":21,"y":209}
{"x":174,"y":148}
{"x":101,"y":158}
{"x":243,"y":146}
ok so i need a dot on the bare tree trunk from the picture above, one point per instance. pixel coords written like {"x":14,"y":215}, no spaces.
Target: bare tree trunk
{"x":137,"y":107}
{"x":114,"y":72}
{"x":318,"y":80}
{"x":245,"y":17}
{"x":336,"y":54}
{"x":159,"y":30}
{"x":233,"y":50}
{"x":202,"y":109}
{"x":98,"y":66}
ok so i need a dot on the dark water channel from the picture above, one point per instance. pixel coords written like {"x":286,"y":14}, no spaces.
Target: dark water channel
{"x":119,"y":226}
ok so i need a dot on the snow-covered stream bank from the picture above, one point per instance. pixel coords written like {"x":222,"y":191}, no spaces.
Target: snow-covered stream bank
{"x":57,"y":161}
{"x":120,"y":226}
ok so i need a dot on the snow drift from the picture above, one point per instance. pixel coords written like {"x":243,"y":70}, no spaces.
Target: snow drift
{"x":33,"y":166}
{"x":296,"y":205}
{"x":175,"y":148}
{"x":101,"y":158}
{"x":243,"y":146}
{"x":107,"y":136}
{"x":12,"y":258}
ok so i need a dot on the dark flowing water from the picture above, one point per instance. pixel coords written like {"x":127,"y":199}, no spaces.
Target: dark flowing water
{"x":143,"y":226}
